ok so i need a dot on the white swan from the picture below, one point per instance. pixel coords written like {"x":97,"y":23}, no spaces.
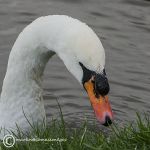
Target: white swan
{"x":81,"y":51}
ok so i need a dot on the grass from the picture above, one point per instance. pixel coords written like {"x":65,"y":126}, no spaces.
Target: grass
{"x":130,"y":137}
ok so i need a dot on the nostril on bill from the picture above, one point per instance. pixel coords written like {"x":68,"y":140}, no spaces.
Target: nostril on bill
{"x":107,"y":121}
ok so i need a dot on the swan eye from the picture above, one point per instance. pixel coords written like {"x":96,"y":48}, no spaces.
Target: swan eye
{"x":87,"y":74}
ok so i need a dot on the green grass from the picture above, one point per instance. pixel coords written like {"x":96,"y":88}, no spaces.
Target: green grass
{"x":130,"y":137}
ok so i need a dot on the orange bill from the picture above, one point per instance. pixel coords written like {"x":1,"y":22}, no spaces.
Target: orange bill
{"x":100,"y":105}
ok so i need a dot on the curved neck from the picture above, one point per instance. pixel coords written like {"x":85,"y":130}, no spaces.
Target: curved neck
{"x":25,"y":68}
{"x":73,"y":42}
{"x":22,"y":83}
{"x":28,"y":58}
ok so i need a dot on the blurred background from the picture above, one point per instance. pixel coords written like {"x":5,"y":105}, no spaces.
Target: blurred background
{"x":124,"y":29}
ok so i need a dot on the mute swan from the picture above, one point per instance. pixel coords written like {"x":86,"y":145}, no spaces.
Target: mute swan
{"x":77,"y":46}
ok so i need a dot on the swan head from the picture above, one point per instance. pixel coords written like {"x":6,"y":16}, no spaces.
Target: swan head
{"x":97,"y":88}
{"x":86,"y":62}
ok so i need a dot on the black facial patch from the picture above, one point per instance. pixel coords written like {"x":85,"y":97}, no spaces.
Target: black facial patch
{"x":101,"y":85}
{"x":87,"y":74}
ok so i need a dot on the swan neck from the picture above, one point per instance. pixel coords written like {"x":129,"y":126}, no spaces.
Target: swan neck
{"x":22,"y":89}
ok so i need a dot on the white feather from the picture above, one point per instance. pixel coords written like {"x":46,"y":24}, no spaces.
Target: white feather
{"x":72,"y":40}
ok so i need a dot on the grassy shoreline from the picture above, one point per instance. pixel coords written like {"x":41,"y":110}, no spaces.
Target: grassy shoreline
{"x":130,"y":137}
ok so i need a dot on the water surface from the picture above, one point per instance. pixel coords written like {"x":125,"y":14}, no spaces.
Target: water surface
{"x":124,"y":29}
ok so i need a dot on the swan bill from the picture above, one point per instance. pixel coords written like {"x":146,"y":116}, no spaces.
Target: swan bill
{"x":100,"y":104}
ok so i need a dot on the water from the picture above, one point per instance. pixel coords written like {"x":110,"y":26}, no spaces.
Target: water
{"x":124,"y":29}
